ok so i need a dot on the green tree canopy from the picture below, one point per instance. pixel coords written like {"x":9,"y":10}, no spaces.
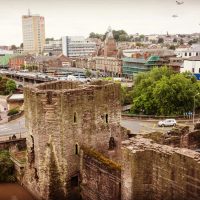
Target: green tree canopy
{"x":7,"y":169}
{"x":88,"y":73}
{"x":160,"y":40}
{"x":164,"y":92}
{"x":10,"y":86}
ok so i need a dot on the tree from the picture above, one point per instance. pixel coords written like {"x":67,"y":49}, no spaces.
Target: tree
{"x":181,"y":41}
{"x":21,"y":45}
{"x":172,"y":47}
{"x":13,"y":47}
{"x":88,"y":73}
{"x":95,"y":35}
{"x":160,"y":40}
{"x":10,"y":86}
{"x":164,"y":92}
{"x":7,"y":169}
{"x":49,"y":39}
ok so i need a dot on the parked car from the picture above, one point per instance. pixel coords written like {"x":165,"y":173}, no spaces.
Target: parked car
{"x":167,"y":122}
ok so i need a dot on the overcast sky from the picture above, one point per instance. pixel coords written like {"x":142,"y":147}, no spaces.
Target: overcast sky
{"x":80,"y":17}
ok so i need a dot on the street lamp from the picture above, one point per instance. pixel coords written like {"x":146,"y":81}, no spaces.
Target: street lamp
{"x":194,"y":106}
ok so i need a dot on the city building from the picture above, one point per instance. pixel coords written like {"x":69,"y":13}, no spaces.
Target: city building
{"x":192,"y":65}
{"x":33,"y":28}
{"x":142,"y":60}
{"x":192,"y":51}
{"x":5,"y":55}
{"x":15,"y":101}
{"x":48,"y":63}
{"x":17,"y":62}
{"x":132,"y":66}
{"x":110,"y":46}
{"x":86,"y":63}
{"x":52,"y":47}
{"x":77,"y":46}
{"x":110,"y":66}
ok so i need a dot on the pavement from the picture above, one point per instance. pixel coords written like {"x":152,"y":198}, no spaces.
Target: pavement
{"x":3,"y":113}
{"x":136,"y":126}
{"x":13,"y":127}
{"x":141,"y":127}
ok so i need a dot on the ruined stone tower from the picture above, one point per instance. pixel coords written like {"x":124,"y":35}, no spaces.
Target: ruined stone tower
{"x":62,"y":117}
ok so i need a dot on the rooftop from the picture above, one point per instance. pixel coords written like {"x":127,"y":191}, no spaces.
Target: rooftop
{"x":17,"y":97}
{"x":194,"y":58}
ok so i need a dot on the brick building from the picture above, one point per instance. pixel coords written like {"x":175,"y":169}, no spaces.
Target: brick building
{"x":45,"y":63}
{"x":18,"y":62}
{"x":110,"y":46}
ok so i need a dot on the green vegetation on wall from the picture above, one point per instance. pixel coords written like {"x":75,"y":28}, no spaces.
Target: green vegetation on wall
{"x":7,"y":170}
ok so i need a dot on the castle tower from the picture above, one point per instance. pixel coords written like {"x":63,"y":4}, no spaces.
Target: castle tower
{"x":62,"y":117}
{"x":110,"y":47}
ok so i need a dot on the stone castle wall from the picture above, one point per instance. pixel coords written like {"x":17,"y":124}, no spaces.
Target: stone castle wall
{"x":100,"y":177}
{"x":152,"y":171}
{"x":61,"y":117}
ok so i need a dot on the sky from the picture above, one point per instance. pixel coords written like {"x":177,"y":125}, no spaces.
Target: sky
{"x":80,"y":17}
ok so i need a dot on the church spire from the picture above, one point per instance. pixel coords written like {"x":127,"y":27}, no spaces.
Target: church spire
{"x":109,"y":32}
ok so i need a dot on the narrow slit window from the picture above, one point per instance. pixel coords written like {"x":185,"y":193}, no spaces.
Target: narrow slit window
{"x":76,"y":149}
{"x":106,"y":118}
{"x":75,"y":117}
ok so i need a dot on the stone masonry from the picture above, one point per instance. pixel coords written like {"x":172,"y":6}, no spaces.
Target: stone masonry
{"x":77,"y":148}
{"x":61,"y":117}
{"x":159,"y":172}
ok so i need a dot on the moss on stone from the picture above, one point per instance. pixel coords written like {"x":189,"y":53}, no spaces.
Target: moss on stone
{"x":106,"y":161}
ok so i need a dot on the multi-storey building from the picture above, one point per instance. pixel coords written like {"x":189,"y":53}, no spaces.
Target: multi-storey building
{"x":52,"y":47}
{"x":145,"y":60}
{"x":33,"y":27}
{"x":192,"y":51}
{"x":77,"y":46}
{"x":109,"y":65}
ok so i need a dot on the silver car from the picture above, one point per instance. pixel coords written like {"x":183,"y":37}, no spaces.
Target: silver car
{"x":167,"y":122}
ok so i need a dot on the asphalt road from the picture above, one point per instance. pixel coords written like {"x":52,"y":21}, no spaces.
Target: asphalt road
{"x":137,"y":126}
{"x":14,"y":127}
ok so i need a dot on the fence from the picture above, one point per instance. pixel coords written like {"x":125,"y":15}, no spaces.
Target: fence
{"x":159,"y":117}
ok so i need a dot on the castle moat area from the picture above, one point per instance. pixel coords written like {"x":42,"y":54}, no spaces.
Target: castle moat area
{"x":14,"y":192}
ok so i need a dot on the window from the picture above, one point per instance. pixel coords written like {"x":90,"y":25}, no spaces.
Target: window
{"x":74,"y":181}
{"x":192,"y":70}
{"x":185,"y":54}
{"x":199,"y":70}
{"x":76,"y":149}
{"x":75,"y":117}
{"x":106,"y":118}
{"x":190,"y":54}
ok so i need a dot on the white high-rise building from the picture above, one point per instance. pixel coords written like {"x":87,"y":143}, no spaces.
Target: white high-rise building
{"x":33,"y":28}
{"x":77,"y":46}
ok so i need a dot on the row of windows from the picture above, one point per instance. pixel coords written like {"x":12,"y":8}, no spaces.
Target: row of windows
{"x":190,"y":54}
{"x":193,"y":70}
